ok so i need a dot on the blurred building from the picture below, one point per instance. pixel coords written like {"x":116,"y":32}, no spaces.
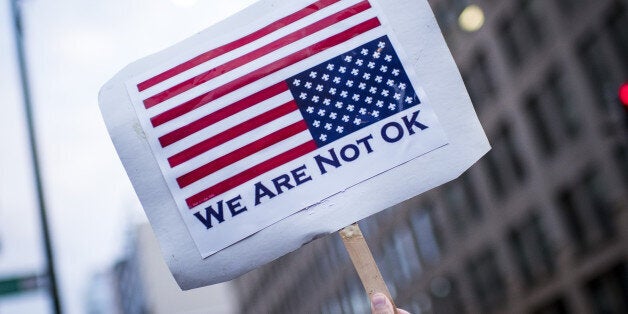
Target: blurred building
{"x":142,"y":284}
{"x":101,"y":295}
{"x":539,"y":225}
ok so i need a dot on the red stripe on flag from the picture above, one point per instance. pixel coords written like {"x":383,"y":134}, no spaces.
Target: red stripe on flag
{"x":264,"y":71}
{"x":209,"y":55}
{"x":232,"y":133}
{"x":222,"y":113}
{"x":250,"y":173}
{"x":255,"y":54}
{"x":241,"y":153}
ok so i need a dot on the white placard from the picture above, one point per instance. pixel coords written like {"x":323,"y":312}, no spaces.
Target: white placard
{"x":266,"y":130}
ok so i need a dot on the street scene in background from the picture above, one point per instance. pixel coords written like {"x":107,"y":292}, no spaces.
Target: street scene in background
{"x":538,"y":225}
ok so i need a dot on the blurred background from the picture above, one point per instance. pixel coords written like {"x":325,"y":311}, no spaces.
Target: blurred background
{"x":539,"y":225}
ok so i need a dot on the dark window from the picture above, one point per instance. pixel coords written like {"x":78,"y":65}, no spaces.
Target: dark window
{"x":551,"y":113}
{"x":568,"y":6}
{"x":586,"y":211}
{"x":479,"y":81}
{"x":388,"y":262}
{"x":618,"y":29}
{"x":494,"y":175}
{"x":532,"y":12}
{"x":608,"y":293}
{"x":596,"y":61}
{"x":557,"y":306}
{"x":407,"y":255}
{"x":487,"y":281}
{"x":426,"y":235}
{"x":532,"y":251}
{"x":520,"y":33}
{"x":595,"y":191}
{"x":359,"y":301}
{"x":512,"y":153}
{"x":539,"y":125}
{"x":461,"y":202}
{"x":561,"y":99}
{"x":508,"y":39}
{"x":621,"y":158}
{"x":506,"y":168}
{"x":570,"y":213}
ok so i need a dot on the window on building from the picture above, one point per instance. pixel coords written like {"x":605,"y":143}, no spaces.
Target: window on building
{"x":621,"y":158}
{"x":569,"y":6}
{"x":512,"y":154}
{"x":601,"y":208}
{"x":479,"y":80}
{"x":406,"y":254}
{"x":539,"y":125}
{"x":509,"y":42}
{"x":596,"y":60}
{"x":532,"y":250}
{"x":505,"y":166}
{"x":561,"y":99}
{"x":618,"y":29}
{"x":426,"y":235}
{"x":557,"y":306}
{"x":608,"y":293}
{"x":359,"y":301}
{"x":399,"y":262}
{"x":345,"y":300}
{"x":586,"y":211}
{"x":461,"y":203}
{"x":487,"y":281}
{"x":551,"y":113}
{"x":531,"y":12}
{"x":496,"y":181}
{"x":387,"y":260}
{"x":520,"y":33}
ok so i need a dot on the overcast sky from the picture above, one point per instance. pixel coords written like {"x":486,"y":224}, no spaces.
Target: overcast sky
{"x":74,"y":47}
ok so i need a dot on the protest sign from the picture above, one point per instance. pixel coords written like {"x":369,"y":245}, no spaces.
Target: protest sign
{"x":288,"y":121}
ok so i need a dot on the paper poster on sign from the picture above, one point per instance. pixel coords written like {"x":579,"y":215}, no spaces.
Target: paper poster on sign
{"x":267,"y":130}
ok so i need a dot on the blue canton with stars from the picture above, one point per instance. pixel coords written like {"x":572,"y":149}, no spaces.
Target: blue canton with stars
{"x":352,"y":91}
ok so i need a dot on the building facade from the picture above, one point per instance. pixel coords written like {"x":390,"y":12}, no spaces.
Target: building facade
{"x":540,"y":224}
{"x":141,"y":283}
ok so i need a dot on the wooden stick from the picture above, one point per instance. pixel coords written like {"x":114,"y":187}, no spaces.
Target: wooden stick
{"x":363,"y":262}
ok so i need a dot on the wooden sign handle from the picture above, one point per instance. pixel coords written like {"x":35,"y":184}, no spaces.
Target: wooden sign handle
{"x":364,"y":262}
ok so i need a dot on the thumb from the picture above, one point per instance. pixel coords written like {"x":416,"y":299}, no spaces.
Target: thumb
{"x":381,"y":305}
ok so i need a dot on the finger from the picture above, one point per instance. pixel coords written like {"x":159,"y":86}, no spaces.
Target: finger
{"x":381,"y":305}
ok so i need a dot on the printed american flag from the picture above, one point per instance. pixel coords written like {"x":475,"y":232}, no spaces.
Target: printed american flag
{"x":231,"y":114}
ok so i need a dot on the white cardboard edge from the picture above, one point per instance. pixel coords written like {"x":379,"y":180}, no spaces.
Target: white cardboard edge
{"x":422,"y":41}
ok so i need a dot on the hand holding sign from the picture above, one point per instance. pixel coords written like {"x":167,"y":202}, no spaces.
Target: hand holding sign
{"x":380,"y":304}
{"x":267,"y":130}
